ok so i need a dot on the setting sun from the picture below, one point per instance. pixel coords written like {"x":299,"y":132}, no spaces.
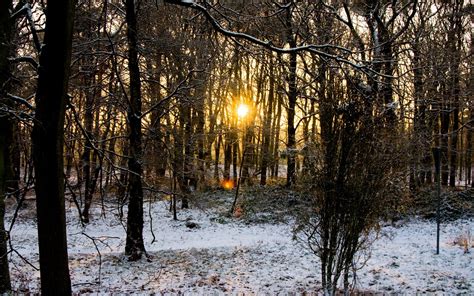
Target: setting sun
{"x":242,"y":110}
{"x":227,"y":184}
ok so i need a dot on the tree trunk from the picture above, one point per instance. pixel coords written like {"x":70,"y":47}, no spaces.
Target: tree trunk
{"x":276,"y":139}
{"x":134,"y":247}
{"x":445,"y":118}
{"x":455,"y":44}
{"x":5,"y":284}
{"x":469,"y":149}
{"x":12,"y":159}
{"x":292,"y":96}
{"x":265,"y":157}
{"x":5,"y":75}
{"x":48,"y":139}
{"x":158,"y":148}
{"x":470,"y":131}
{"x":217,"y":151}
{"x":86,"y":155}
{"x":227,"y":154}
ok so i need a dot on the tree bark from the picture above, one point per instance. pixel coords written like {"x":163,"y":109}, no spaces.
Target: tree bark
{"x":265,"y":157}
{"x":5,"y":74}
{"x":292,"y":96}
{"x":455,"y":44}
{"x":275,"y":145}
{"x":48,"y":139}
{"x":134,"y":247}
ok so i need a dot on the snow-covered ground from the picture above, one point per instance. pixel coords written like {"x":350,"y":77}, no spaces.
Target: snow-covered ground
{"x":227,"y":256}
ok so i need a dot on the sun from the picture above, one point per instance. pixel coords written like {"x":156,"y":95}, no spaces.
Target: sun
{"x":227,"y":184}
{"x":242,"y":110}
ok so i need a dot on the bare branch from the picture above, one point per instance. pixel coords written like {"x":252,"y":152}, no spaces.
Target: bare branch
{"x":317,"y":49}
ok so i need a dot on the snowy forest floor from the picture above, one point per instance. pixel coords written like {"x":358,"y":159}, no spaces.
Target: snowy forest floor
{"x":254,"y":254}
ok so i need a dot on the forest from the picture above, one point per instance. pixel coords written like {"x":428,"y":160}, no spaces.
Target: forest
{"x":320,"y":147}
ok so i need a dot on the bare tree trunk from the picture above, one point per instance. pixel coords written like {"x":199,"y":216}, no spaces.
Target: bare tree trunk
{"x":5,"y":284}
{"x":200,"y":130}
{"x":217,"y":151}
{"x":86,"y":155}
{"x":276,"y":139}
{"x":47,"y":136}
{"x":445,"y":119}
{"x":12,"y":159}
{"x":469,"y":150}
{"x":235,"y":150}
{"x":266,"y":155}
{"x":292,"y":96}
{"x":455,"y":44}
{"x":158,"y":147}
{"x":134,"y":247}
{"x":470,"y":131}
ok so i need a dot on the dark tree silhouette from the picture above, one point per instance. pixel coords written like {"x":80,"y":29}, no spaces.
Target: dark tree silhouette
{"x":134,"y":247}
{"x":48,"y":138}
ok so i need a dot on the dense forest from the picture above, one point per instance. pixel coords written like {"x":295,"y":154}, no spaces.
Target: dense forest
{"x":342,"y":109}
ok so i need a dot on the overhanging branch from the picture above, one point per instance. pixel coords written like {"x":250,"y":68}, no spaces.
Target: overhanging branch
{"x":317,"y":49}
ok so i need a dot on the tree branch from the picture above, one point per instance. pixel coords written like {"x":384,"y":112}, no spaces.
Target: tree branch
{"x":317,"y":49}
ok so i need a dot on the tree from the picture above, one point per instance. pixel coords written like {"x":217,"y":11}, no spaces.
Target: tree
{"x":292,"y":97}
{"x":134,"y":247}
{"x":5,"y":77}
{"x":47,"y":137}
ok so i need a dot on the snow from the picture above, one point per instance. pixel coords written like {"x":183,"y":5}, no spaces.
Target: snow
{"x":225,"y":255}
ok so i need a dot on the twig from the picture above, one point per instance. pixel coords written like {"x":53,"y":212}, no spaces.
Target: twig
{"x":98,"y":252}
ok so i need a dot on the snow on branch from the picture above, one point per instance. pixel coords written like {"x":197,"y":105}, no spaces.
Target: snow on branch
{"x":317,"y":49}
{"x":25,"y":59}
{"x":20,"y":100}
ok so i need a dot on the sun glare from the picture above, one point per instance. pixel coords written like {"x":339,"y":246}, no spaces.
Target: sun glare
{"x":242,"y":110}
{"x":227,"y":184}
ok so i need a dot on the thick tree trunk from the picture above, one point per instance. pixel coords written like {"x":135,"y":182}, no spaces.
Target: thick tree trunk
{"x":134,"y":247}
{"x":5,"y":284}
{"x":5,"y":75}
{"x":48,"y":138}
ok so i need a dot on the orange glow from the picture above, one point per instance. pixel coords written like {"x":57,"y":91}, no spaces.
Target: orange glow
{"x":227,"y":184}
